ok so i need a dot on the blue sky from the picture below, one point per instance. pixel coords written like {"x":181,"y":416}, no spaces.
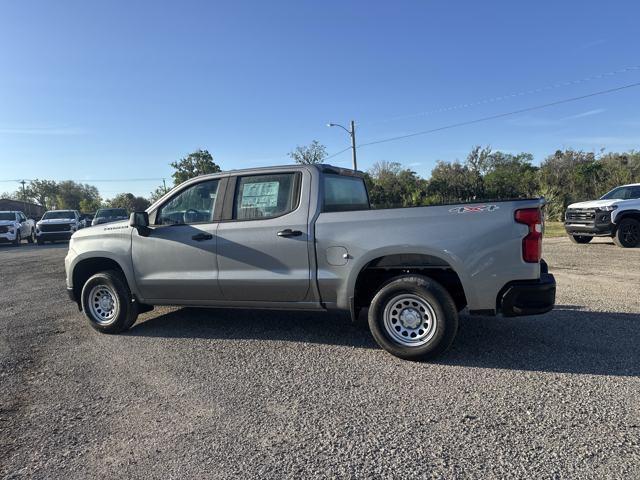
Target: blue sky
{"x":118,"y":89}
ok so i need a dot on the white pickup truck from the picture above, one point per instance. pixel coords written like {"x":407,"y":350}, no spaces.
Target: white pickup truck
{"x":15,"y":226}
{"x":58,"y":225}
{"x":616,"y":214}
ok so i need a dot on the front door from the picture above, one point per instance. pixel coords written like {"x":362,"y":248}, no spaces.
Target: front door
{"x":263,"y":250}
{"x":176,"y":261}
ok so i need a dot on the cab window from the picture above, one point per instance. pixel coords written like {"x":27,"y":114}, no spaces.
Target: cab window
{"x":266,"y":196}
{"x":192,"y":205}
{"x":343,"y":193}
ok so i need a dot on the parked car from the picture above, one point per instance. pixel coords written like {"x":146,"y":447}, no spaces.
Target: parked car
{"x":107,"y":215}
{"x":15,"y":226}
{"x":304,"y":237}
{"x":616,"y":214}
{"x":57,"y":225}
{"x":85,"y":220}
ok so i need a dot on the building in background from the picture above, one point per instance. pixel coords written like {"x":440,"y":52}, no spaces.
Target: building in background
{"x":31,"y":210}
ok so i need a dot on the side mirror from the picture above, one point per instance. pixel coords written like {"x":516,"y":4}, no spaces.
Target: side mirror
{"x":140,"y":221}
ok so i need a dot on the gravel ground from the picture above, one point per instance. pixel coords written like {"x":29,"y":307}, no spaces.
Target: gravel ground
{"x":191,"y":393}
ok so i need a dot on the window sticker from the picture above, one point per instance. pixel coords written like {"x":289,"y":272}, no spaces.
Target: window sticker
{"x":260,"y":195}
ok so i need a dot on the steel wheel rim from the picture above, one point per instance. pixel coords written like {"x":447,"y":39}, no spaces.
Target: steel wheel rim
{"x":103,"y":304}
{"x":409,"y":320}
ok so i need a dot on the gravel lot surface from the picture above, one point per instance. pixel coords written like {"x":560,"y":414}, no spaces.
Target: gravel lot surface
{"x":191,"y":393}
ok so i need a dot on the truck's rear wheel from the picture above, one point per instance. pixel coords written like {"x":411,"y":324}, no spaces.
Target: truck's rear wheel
{"x":580,"y":238}
{"x":413,"y":317}
{"x":106,"y":302}
{"x":628,"y":233}
{"x":32,"y":237}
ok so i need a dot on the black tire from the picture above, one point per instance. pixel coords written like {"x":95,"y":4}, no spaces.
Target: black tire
{"x":628,"y":233}
{"x":31,"y":238}
{"x":580,"y":238}
{"x":18,"y":240}
{"x":423,"y":294}
{"x":125,"y":311}
{"x":40,"y":242}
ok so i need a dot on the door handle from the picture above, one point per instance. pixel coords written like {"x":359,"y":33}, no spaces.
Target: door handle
{"x":289,"y":233}
{"x":202,"y":236}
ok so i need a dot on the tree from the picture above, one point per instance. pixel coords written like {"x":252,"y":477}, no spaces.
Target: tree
{"x":477,"y":163}
{"x":129,"y":202}
{"x":157,"y":193}
{"x":11,"y":195}
{"x":43,"y":192}
{"x":197,"y":163}
{"x":90,"y":205}
{"x":452,"y":182}
{"x":510,"y":176}
{"x":310,"y":154}
{"x":70,"y":194}
{"x":391,"y":185}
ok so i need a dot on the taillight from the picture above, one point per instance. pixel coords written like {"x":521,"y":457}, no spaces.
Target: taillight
{"x":532,"y":243}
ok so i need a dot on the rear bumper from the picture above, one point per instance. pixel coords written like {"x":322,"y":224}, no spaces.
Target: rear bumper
{"x":528,"y":297}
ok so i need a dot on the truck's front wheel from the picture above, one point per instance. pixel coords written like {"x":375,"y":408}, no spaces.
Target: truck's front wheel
{"x":106,"y":302}
{"x":628,"y":233}
{"x":413,"y":317}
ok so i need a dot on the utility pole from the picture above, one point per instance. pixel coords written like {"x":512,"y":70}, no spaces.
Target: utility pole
{"x":352,"y":134}
{"x":164,"y":185}
{"x":24,"y":198}
{"x":353,"y":144}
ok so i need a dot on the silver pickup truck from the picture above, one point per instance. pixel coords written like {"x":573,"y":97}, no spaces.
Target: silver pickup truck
{"x":303,"y":237}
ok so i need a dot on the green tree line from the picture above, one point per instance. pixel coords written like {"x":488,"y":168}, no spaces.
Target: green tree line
{"x":564,"y":177}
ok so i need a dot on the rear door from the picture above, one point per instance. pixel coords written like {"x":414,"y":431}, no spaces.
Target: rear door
{"x":263,"y":244}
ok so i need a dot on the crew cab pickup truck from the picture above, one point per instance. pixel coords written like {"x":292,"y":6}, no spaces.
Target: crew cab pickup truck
{"x":305,"y":237}
{"x":616,"y":214}
{"x":57,"y":225}
{"x":15,"y":226}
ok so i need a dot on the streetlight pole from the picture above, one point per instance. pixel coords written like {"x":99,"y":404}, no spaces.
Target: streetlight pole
{"x":352,"y":134}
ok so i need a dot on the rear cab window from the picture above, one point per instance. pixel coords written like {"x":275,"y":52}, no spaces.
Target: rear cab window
{"x":261,"y":197}
{"x":343,"y":193}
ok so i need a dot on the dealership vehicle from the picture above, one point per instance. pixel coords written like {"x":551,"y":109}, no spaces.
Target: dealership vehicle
{"x":107,"y":215}
{"x":15,"y":226}
{"x":57,"y":225}
{"x":305,"y":237}
{"x":616,"y":214}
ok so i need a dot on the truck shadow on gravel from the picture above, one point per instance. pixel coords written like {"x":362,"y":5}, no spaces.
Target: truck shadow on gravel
{"x":567,"y":340}
{"x":238,"y":324}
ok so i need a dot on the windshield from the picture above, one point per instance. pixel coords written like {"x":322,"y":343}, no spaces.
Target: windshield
{"x":7,"y":216}
{"x":60,"y":214}
{"x":622,"y":193}
{"x":111,"y":212}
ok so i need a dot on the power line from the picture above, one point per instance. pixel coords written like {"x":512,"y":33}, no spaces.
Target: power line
{"x":499,"y":115}
{"x":336,"y":154}
{"x":507,"y":96}
{"x":106,"y":180}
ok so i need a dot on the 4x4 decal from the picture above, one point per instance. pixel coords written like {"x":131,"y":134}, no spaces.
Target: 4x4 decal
{"x":474,"y":209}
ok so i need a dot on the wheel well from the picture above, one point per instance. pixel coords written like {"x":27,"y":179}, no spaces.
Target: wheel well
{"x":379,"y":271}
{"x":86,"y":268}
{"x":630,"y":214}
